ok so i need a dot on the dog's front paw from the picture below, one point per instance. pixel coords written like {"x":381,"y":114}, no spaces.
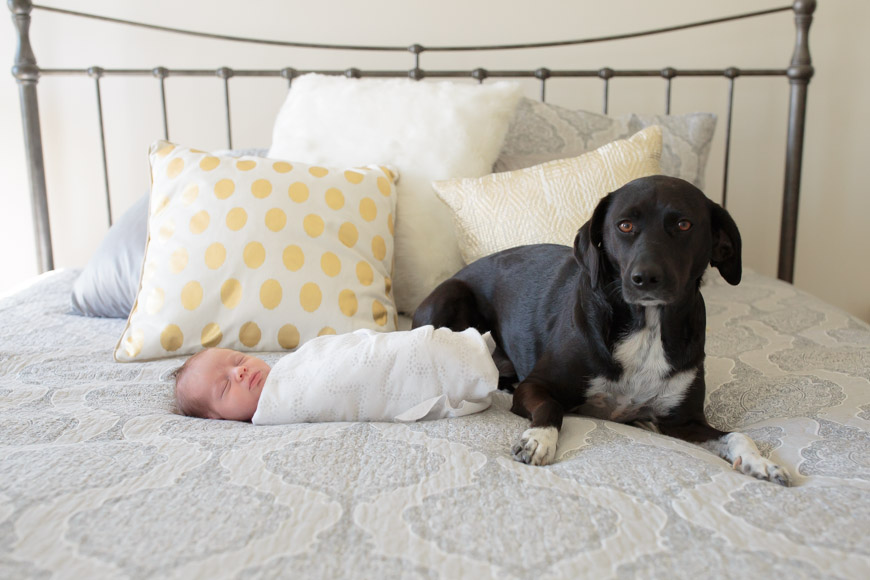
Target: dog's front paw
{"x":537,"y":446}
{"x":741,"y":451}
{"x":762,"y":468}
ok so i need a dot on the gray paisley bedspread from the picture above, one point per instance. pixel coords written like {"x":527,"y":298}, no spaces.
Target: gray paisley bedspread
{"x":100,"y":479}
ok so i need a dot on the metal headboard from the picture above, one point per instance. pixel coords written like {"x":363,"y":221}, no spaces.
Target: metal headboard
{"x":799,"y":72}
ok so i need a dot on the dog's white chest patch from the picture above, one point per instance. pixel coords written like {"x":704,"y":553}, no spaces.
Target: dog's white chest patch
{"x":647,"y":388}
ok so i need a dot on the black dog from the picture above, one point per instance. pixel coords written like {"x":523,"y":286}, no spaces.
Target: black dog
{"x":615,"y":329}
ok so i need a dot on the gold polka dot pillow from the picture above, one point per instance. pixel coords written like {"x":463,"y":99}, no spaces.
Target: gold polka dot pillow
{"x":257,"y":254}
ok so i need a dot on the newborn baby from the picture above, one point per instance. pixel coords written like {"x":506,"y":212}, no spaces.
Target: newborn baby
{"x":425,"y":373}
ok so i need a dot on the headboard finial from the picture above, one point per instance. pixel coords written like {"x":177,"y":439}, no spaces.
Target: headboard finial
{"x":20,"y":6}
{"x":801,"y":64}
{"x":25,"y":68}
{"x":804,"y":6}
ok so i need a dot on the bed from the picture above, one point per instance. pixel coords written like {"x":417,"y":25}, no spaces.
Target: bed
{"x":100,"y":477}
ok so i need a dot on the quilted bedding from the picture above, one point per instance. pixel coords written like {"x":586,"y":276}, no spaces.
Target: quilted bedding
{"x":100,"y":479}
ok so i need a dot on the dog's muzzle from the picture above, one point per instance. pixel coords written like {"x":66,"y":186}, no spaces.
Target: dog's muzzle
{"x":646,"y":283}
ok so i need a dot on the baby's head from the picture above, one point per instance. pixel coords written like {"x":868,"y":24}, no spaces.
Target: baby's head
{"x":219,"y":383}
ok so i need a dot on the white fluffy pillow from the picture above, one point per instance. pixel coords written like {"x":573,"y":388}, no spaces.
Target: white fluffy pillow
{"x":429,"y":131}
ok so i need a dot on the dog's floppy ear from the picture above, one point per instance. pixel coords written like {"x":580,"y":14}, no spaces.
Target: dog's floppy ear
{"x":726,"y":254}
{"x":588,"y":249}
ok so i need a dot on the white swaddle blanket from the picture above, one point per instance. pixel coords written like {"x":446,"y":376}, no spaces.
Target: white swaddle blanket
{"x":425,"y":373}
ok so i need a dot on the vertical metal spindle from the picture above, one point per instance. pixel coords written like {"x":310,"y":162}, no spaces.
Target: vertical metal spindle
{"x":731,"y":74}
{"x":668,"y":74}
{"x":480,"y":74}
{"x":289,"y":74}
{"x":416,"y":73}
{"x":543,"y":74}
{"x":668,"y":98}
{"x":161,"y":74}
{"x":96,"y":73}
{"x":227,"y":73}
{"x":606,"y":74}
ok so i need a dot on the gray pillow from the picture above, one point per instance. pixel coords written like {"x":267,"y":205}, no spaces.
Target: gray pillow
{"x":542,"y":132}
{"x":108,"y":285}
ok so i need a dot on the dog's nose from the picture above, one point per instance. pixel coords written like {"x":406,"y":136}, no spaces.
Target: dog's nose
{"x":649,"y":277}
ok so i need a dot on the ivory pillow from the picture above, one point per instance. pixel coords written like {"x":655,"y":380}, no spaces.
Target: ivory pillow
{"x":546,"y":203}
{"x":256,"y":254}
{"x":428,"y":130}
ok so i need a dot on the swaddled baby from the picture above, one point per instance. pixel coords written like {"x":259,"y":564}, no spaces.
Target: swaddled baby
{"x":425,"y":373}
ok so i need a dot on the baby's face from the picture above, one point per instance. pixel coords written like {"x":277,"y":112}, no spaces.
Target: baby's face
{"x":228,"y":382}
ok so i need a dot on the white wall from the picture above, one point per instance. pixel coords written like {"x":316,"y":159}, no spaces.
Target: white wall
{"x":833,"y":241}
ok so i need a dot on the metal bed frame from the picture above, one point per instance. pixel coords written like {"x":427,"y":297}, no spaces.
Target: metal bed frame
{"x":799,"y":72}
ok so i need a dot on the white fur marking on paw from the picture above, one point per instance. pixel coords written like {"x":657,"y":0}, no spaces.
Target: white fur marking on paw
{"x":741,"y":451}
{"x":537,"y":446}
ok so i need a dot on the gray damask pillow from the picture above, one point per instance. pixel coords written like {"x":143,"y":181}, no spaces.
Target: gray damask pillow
{"x":542,"y":132}
{"x":107,"y":286}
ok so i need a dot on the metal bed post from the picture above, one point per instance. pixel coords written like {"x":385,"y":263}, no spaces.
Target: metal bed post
{"x":799,"y":73}
{"x":26,"y":72}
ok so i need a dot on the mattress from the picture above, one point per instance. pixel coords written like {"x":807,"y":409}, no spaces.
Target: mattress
{"x":100,"y":478}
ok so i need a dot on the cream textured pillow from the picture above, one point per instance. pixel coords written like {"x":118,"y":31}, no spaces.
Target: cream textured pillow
{"x":546,"y":203}
{"x":258,"y":254}
{"x":428,"y":130}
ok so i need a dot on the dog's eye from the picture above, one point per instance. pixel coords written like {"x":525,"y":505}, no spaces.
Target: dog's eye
{"x":684,"y":225}
{"x":625,"y":226}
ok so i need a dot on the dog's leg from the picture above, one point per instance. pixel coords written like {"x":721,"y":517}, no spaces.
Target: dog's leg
{"x":452,"y":305}
{"x":507,"y":375}
{"x":537,"y":444}
{"x":736,"y":448}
